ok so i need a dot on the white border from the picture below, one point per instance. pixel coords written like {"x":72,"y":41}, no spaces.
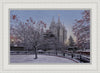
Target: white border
{"x":75,"y":67}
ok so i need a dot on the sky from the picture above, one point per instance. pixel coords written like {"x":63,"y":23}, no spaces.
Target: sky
{"x":67,"y":17}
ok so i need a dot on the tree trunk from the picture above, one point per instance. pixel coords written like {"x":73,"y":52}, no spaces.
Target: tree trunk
{"x":56,"y":52}
{"x":64,"y":54}
{"x":35,"y":51}
{"x":72,"y":55}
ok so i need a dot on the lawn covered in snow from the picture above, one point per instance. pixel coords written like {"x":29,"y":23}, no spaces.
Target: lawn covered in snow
{"x":41,"y":59}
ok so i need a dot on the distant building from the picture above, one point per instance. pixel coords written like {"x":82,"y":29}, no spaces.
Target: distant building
{"x":59,"y":30}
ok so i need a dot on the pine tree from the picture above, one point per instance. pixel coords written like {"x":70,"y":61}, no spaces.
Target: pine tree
{"x":71,"y":41}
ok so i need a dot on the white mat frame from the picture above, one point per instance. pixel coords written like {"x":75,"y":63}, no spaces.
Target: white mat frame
{"x":71,"y":68}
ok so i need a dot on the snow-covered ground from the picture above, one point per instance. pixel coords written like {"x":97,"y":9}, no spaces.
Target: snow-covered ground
{"x":41,"y":59}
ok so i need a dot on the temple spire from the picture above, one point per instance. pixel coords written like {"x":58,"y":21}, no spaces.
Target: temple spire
{"x":63,"y":24}
{"x":58,"y":18}
{"x":53,"y":21}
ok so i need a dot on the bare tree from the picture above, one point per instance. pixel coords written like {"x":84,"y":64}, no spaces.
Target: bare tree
{"x":81,"y":30}
{"x":29,"y":33}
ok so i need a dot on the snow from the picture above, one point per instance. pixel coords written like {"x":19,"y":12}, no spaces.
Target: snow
{"x":41,"y":59}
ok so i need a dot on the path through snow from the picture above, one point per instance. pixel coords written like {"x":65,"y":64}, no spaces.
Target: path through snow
{"x":41,"y":59}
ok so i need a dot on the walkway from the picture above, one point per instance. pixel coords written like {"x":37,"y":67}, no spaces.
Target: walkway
{"x":41,"y":59}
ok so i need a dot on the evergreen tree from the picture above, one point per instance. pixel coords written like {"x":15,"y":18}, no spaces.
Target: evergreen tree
{"x":71,"y":41}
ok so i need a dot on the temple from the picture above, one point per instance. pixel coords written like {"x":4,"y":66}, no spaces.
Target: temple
{"x":58,"y":29}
